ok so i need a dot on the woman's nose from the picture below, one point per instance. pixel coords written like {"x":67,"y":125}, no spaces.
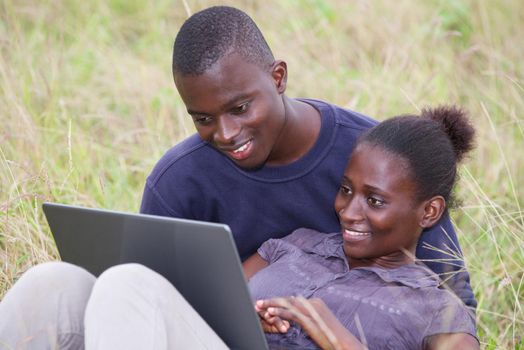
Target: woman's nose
{"x":351,"y":211}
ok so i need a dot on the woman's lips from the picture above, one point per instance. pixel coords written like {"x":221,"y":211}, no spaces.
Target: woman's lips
{"x":354,"y":236}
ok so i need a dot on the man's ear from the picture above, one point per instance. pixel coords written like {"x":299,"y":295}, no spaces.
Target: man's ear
{"x":433,"y":210}
{"x":279,"y":74}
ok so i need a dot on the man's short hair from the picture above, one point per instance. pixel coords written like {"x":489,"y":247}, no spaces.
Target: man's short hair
{"x":210,"y":34}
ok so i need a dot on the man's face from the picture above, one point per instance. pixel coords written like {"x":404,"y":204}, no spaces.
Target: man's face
{"x":238,"y":108}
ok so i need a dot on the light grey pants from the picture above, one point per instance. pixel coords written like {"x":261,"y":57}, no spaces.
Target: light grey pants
{"x":61,"y":306}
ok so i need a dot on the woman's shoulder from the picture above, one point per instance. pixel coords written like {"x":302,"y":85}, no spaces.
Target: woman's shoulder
{"x":309,"y":239}
{"x":446,"y":312}
{"x":412,"y":298}
{"x":302,"y":236}
{"x":299,"y":242}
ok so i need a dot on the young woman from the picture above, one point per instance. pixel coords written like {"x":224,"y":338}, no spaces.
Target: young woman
{"x":357,"y":288}
{"x":363,"y":283}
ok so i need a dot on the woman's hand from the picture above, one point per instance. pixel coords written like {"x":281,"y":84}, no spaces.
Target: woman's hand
{"x":271,"y":324}
{"x":312,"y":315}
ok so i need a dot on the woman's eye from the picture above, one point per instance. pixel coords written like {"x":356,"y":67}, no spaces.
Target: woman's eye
{"x":345,"y":189}
{"x":375,"y":202}
{"x":240,"y":109}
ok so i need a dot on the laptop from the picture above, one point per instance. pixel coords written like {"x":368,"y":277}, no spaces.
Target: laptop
{"x":199,"y":258}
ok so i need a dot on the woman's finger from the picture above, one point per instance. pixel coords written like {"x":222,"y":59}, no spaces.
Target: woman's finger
{"x":285,"y":303}
{"x":277,"y":322}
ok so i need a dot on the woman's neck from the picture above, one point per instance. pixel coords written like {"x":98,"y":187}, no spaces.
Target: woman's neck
{"x":391,"y":261}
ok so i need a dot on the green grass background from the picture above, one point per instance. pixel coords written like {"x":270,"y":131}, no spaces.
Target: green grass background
{"x":87,"y":105}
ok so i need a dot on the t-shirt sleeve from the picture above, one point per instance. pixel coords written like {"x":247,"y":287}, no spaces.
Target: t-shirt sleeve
{"x":452,"y":317}
{"x":154,"y":204}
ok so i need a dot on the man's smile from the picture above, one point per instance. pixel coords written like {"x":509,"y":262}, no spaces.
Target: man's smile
{"x":241,"y":152}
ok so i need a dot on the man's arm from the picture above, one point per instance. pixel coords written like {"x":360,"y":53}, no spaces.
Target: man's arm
{"x":439,"y":249}
{"x":253,"y":264}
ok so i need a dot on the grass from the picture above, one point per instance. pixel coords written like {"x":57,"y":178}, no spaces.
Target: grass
{"x":88,"y":106}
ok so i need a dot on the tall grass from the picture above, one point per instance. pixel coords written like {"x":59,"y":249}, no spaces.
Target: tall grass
{"x":88,"y":106}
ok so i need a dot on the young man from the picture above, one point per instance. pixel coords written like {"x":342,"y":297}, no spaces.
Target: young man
{"x":261,"y":162}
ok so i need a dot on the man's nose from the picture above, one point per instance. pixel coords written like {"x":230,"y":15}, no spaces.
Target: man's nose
{"x":228,"y":128}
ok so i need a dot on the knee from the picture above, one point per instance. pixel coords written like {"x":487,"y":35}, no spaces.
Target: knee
{"x":126,"y":275}
{"x":47,"y":289}
{"x":131,"y":281}
{"x":56,"y":277}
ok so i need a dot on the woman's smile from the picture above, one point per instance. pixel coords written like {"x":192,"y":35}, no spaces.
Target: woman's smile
{"x":354,"y":236}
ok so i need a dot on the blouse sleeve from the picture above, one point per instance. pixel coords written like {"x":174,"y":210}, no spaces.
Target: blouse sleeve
{"x":301,"y":239}
{"x":304,"y":238}
{"x":271,"y":250}
{"x":452,"y":317}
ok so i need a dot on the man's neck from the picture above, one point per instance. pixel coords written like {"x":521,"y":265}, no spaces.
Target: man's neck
{"x":299,"y":133}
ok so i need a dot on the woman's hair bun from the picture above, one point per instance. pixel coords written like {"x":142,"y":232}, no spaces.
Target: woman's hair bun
{"x":456,"y":124}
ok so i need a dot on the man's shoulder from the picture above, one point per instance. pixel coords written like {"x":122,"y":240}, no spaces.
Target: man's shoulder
{"x":183,"y":157}
{"x":343,"y":116}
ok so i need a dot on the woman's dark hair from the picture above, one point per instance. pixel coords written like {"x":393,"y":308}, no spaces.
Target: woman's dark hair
{"x":432,"y":144}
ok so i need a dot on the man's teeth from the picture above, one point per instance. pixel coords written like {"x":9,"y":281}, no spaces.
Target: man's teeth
{"x":355,"y":233}
{"x":242,"y":148}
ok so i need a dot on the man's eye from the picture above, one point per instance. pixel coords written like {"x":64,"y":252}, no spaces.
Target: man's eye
{"x":202,"y":119}
{"x":345,"y":189}
{"x":240,"y":109}
{"x":375,"y":202}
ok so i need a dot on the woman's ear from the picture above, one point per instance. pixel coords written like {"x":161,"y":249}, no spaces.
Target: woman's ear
{"x":279,"y":74}
{"x":433,"y":210}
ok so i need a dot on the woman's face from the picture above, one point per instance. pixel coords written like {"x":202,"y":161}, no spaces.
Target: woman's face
{"x":379,"y":215}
